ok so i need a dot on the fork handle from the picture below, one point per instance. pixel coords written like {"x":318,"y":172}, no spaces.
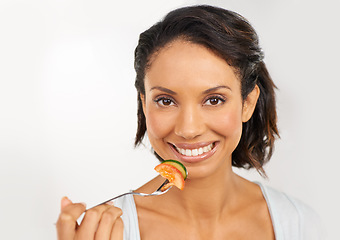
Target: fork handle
{"x":127,"y":193}
{"x":111,"y":199}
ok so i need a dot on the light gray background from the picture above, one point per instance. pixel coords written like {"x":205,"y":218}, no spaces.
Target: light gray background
{"x":68,"y":104}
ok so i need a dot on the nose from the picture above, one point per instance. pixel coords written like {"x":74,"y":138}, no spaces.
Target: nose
{"x":189,"y":123}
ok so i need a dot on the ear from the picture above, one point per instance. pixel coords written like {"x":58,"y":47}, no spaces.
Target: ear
{"x":249,"y":104}
{"x":142,"y":98}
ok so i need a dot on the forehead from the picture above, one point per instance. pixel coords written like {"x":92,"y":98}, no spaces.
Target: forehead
{"x":182,"y":62}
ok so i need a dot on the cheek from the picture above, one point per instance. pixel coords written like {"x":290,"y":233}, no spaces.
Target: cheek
{"x":158,"y":125}
{"x":228,"y":124}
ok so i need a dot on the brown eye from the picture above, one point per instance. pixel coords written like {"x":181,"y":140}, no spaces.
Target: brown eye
{"x":213,"y":101}
{"x":164,"y":101}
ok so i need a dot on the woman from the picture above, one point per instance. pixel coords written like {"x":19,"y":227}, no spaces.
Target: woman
{"x":205,"y":98}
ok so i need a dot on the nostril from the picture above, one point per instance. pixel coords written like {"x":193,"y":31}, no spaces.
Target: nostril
{"x":188,"y":132}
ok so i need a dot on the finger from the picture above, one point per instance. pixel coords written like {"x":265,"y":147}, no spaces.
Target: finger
{"x":67,"y":221}
{"x":89,"y":225}
{"x":65,"y":202}
{"x":117,"y":230}
{"x":107,"y":222}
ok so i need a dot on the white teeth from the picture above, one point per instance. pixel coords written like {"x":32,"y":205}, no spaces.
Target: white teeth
{"x":195,"y":152}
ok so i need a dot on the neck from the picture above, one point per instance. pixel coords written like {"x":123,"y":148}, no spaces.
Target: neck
{"x":208,"y":198}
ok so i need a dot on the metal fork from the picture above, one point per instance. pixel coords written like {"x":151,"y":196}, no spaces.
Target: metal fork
{"x":155,"y":193}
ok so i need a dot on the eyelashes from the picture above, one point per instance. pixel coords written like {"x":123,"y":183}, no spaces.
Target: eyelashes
{"x":164,"y":101}
{"x":214,"y":100}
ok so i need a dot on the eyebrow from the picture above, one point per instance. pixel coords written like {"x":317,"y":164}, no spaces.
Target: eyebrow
{"x":215,"y":88}
{"x":204,"y":92}
{"x":163,"y":89}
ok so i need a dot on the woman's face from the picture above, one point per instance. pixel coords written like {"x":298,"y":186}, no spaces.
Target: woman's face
{"x":193,"y":107}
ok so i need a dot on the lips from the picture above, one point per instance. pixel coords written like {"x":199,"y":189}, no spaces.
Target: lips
{"x":196,"y":151}
{"x":192,"y":153}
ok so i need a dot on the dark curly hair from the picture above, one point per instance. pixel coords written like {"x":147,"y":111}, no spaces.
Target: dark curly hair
{"x":231,"y":37}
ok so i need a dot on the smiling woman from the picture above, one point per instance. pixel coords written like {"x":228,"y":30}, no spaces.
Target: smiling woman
{"x":177,"y":120}
{"x":232,"y":42}
{"x":206,"y":100}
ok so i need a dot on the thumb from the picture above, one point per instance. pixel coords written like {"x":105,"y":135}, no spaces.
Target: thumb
{"x":65,"y":202}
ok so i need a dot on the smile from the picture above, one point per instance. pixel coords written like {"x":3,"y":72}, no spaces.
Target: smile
{"x":196,"y":151}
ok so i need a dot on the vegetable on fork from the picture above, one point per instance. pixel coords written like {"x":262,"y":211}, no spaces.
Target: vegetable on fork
{"x":174,"y":171}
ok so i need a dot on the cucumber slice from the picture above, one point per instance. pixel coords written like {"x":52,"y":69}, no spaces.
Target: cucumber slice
{"x":177,"y":165}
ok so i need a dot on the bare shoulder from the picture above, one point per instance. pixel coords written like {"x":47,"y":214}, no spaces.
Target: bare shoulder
{"x":254,"y":214}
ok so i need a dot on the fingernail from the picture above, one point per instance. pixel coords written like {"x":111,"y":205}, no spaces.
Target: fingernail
{"x":64,"y":198}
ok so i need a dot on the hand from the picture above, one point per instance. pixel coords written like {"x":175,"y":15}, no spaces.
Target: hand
{"x":100,"y":223}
